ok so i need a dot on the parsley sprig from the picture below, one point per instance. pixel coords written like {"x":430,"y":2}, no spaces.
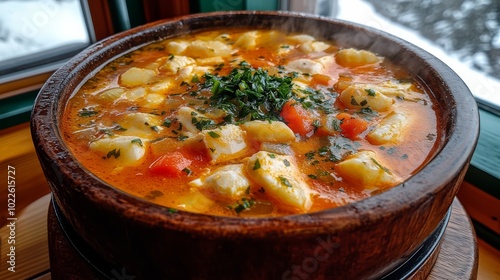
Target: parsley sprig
{"x":248,"y":93}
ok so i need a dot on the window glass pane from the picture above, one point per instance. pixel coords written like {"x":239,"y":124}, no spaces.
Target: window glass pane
{"x":37,"y":32}
{"x":464,"y":34}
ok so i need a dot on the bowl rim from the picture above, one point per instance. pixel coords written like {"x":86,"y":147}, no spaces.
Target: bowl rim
{"x":455,"y":152}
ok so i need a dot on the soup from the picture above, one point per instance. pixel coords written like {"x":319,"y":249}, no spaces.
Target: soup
{"x":251,"y":123}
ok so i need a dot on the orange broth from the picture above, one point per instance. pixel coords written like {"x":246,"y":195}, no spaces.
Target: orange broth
{"x":117,"y":125}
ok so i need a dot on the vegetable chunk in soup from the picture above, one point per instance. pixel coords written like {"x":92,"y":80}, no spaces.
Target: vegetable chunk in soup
{"x":251,"y":123}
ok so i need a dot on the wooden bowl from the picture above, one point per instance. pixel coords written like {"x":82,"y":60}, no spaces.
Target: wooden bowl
{"x":365,"y":239}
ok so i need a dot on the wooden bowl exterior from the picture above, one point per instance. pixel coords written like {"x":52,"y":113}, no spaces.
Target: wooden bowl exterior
{"x":361,"y":240}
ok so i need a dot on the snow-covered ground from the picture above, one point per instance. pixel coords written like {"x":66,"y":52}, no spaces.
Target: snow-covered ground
{"x":484,"y":88}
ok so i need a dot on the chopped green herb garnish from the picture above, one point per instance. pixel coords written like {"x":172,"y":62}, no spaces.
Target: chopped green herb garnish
{"x":286,"y":162}
{"x":370,"y":92}
{"x":202,"y":123}
{"x":256,"y":164}
{"x":285,"y":181}
{"x":248,"y":93}
{"x":213,"y":134}
{"x":113,"y":153}
{"x":312,"y":176}
{"x":87,"y":112}
{"x":336,"y":124}
{"x":195,"y":79}
{"x":242,"y":205}
{"x":363,"y":103}
{"x":167,"y":122}
{"x":137,"y":141}
{"x":272,"y":155}
{"x":187,"y":171}
{"x":380,"y":166}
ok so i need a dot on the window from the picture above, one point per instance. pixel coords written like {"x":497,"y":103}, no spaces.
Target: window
{"x":35,"y":38}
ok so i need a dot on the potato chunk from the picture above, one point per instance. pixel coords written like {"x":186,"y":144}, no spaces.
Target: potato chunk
{"x":177,"y":47}
{"x":301,"y":38}
{"x":137,"y":77}
{"x":281,"y":179}
{"x":304,"y":65}
{"x":357,"y":96}
{"x":389,"y":129}
{"x":268,"y":131}
{"x":199,"y":48}
{"x":225,"y":143}
{"x":354,"y":58}
{"x":127,"y":150}
{"x":247,"y":40}
{"x":365,"y":170}
{"x":313,"y":46}
{"x":226,"y":183}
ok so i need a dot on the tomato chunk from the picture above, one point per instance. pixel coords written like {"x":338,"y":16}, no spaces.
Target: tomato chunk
{"x":297,"y":118}
{"x":171,"y":165}
{"x":351,"y":127}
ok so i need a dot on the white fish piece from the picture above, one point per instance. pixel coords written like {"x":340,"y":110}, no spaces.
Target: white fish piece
{"x":125,"y":150}
{"x":177,"y":47}
{"x":364,"y":169}
{"x":281,"y":179}
{"x":247,"y":40}
{"x":135,"y":93}
{"x":225,"y":143}
{"x":175,"y":63}
{"x":143,"y":125}
{"x":201,"y":48}
{"x":389,"y":129}
{"x":226,"y":183}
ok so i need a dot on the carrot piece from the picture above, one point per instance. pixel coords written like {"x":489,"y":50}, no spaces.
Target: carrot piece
{"x":297,"y":118}
{"x":171,"y":165}
{"x":350,"y":126}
